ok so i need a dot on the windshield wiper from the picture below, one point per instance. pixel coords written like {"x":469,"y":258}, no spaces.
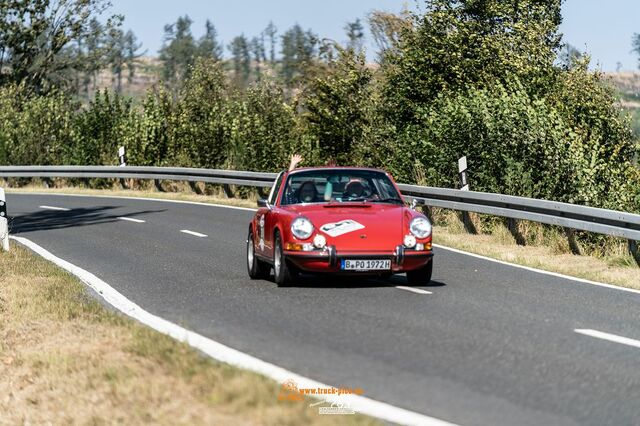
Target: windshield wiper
{"x":389,"y":200}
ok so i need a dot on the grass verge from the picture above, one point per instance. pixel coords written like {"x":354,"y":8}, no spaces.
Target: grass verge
{"x":548,"y":251}
{"x":66,"y":359}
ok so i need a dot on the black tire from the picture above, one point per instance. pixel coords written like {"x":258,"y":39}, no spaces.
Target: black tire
{"x":421,"y":276}
{"x":258,"y":269}
{"x":285,"y":274}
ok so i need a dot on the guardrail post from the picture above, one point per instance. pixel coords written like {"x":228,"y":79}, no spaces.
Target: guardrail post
{"x":573,"y":243}
{"x":512,"y":224}
{"x":4,"y":222}
{"x":227,"y":191}
{"x":195,"y":187}
{"x":635,"y":251}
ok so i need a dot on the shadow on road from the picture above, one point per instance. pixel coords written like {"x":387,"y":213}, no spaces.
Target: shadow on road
{"x":50,"y":219}
{"x":331,"y":281}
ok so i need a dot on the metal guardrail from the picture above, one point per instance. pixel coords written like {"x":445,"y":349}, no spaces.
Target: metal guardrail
{"x":229,"y":177}
{"x":601,"y":221}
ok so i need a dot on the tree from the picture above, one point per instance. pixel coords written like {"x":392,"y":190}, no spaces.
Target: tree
{"x":386,"y":29}
{"x":36,"y":36}
{"x":95,"y":47}
{"x":298,"y":48}
{"x":569,"y":56}
{"x":457,"y":44}
{"x":355,"y":35}
{"x":335,"y":106}
{"x":208,"y":46}
{"x":132,"y":53}
{"x":178,"y":52}
{"x":241,"y":58}
{"x":635,"y":45}
{"x":271,"y":32}
{"x":259,"y":55}
{"x":116,"y":56}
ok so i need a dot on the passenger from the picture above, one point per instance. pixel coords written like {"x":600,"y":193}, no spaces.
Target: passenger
{"x":295,"y":160}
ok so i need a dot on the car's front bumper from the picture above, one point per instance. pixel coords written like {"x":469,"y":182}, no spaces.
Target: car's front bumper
{"x":328,"y":260}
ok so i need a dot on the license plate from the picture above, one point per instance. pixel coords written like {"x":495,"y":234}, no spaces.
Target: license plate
{"x":365,"y":264}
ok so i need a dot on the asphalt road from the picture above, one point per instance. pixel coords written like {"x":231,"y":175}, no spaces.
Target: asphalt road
{"x":491,"y":345}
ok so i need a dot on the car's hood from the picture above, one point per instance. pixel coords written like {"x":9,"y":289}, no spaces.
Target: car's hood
{"x":357,"y":226}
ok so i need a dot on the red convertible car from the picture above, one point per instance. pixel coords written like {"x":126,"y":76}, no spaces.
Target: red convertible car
{"x":341,"y":220}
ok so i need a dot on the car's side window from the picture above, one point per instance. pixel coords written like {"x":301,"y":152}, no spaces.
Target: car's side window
{"x":275,"y":189}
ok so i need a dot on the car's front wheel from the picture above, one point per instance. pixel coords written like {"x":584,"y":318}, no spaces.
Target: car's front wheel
{"x":421,"y":276}
{"x":284,"y":274}
{"x":258,"y":270}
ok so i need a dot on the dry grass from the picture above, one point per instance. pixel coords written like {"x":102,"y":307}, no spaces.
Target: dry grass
{"x":65,"y":359}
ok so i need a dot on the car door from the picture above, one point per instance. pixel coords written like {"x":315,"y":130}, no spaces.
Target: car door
{"x":267,"y":219}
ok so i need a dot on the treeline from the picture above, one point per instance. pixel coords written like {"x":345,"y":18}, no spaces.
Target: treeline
{"x":480,"y":79}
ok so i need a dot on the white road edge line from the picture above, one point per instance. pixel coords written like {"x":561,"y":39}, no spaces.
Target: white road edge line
{"x":414,"y":290}
{"x":61,"y":209}
{"x":195,"y":234}
{"x":466,"y":253}
{"x":130,"y":219}
{"x":226,"y":354}
{"x":540,"y":271}
{"x":607,"y":336}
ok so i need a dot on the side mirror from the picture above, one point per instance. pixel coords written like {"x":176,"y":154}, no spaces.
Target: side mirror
{"x":262,"y":203}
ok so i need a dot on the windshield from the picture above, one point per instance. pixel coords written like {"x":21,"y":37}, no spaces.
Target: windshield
{"x":339,"y":185}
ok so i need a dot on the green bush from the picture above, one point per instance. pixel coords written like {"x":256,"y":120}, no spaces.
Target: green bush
{"x":100,"y":129}
{"x":260,"y":129}
{"x":34,"y":129}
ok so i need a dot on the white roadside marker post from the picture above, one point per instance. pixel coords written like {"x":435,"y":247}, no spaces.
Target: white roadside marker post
{"x":122,"y":156}
{"x":462,"y":170}
{"x":4,"y":222}
{"x":464,"y":186}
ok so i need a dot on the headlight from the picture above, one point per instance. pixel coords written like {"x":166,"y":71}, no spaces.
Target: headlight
{"x":420,"y":227}
{"x":302,"y":228}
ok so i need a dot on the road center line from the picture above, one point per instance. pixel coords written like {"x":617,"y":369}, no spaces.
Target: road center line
{"x":607,"y":336}
{"x":130,"y":219}
{"x":61,"y":209}
{"x":196,"y":234}
{"x":414,"y":290}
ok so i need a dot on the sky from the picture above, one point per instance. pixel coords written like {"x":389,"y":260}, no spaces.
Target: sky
{"x":601,"y":28}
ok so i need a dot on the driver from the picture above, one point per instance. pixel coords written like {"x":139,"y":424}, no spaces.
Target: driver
{"x":354,"y":189}
{"x":307,"y":192}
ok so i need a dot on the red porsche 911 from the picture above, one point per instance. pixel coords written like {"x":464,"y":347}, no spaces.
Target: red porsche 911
{"x":339,"y":220}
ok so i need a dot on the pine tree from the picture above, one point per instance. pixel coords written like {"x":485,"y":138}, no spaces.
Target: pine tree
{"x":298,"y":48}
{"x":241,"y":58}
{"x":271,"y":32}
{"x":178,"y":51}
{"x":208,"y":46}
{"x":355,"y":35}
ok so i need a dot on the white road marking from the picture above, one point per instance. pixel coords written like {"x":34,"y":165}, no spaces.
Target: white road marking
{"x":61,"y":209}
{"x":607,"y":336}
{"x":195,"y":203}
{"x":539,"y":271}
{"x":229,"y":355}
{"x":196,"y":234}
{"x":466,"y":253}
{"x":414,"y":290}
{"x":130,"y":219}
